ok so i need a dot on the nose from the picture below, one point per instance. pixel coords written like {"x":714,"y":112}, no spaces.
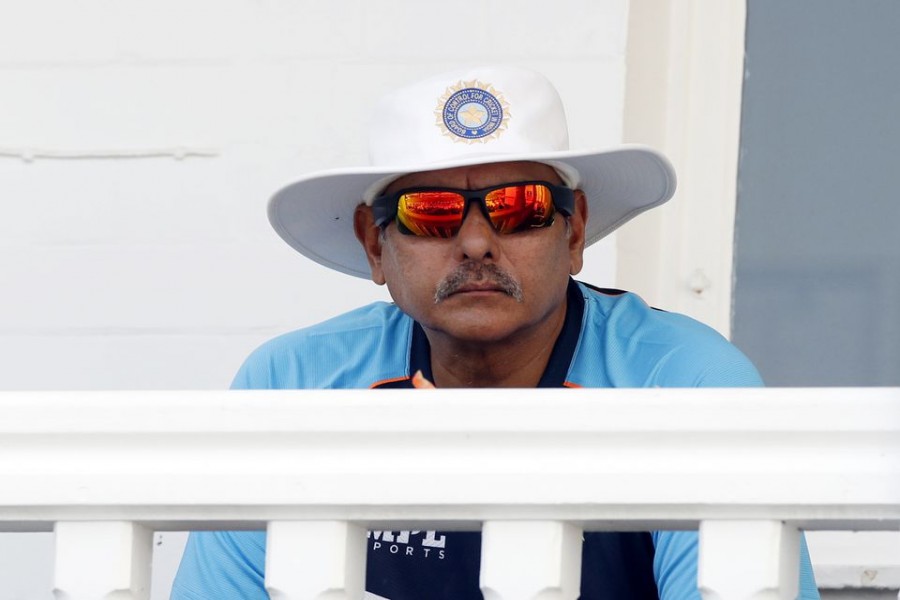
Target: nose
{"x":477,"y":239}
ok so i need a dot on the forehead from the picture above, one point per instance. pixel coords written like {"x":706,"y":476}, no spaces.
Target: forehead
{"x":479,"y":176}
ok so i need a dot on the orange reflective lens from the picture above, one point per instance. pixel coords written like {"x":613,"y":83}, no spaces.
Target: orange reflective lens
{"x":436,"y":212}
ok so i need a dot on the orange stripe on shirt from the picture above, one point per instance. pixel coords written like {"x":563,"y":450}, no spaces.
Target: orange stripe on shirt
{"x":386,"y":381}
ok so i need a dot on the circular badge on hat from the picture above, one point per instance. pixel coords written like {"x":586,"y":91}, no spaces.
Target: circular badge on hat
{"x":471,"y":111}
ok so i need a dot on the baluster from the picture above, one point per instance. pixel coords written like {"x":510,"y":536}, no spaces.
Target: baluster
{"x":749,"y":560}
{"x":102,"y":560}
{"x":530,"y":560}
{"x":309,"y":560}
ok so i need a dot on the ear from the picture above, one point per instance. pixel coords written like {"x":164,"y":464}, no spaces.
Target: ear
{"x":369,"y":235}
{"x":577,"y":224}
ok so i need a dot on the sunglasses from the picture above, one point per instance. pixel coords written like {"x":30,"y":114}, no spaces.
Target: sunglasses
{"x":439,"y":212}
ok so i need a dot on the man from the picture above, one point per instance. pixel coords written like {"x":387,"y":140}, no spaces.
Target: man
{"x":475,"y":216}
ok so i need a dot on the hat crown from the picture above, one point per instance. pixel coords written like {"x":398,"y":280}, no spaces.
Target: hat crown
{"x":478,"y":112}
{"x":477,"y":116}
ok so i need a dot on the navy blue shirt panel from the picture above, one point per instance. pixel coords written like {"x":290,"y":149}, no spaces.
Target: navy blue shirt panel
{"x":615,"y":566}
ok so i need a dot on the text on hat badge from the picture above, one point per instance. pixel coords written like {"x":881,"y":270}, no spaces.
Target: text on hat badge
{"x":472,"y":111}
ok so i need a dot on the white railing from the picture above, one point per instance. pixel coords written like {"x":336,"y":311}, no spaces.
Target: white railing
{"x":749,"y":467}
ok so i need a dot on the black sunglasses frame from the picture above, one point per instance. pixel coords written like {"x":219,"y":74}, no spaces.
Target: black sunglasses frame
{"x":384,"y":207}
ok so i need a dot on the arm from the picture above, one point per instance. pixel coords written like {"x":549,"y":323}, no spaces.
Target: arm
{"x":225,"y":564}
{"x":222,"y":564}
{"x":675,"y":567}
{"x":676,"y":556}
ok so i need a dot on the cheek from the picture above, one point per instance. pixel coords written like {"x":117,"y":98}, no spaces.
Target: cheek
{"x":408,"y":277}
{"x":543,"y":262}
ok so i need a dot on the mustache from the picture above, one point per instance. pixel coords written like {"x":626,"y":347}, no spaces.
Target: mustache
{"x":470,"y":272}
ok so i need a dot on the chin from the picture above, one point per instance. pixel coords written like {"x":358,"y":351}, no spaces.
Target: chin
{"x":479,"y":331}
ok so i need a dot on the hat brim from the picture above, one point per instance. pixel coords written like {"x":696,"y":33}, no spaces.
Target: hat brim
{"x":314,"y":215}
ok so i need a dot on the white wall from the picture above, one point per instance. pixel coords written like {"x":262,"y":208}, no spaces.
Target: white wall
{"x":139,"y":142}
{"x":126,"y":271}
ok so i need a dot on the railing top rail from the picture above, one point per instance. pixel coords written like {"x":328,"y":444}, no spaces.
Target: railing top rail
{"x":822,"y":458}
{"x":655,"y":409}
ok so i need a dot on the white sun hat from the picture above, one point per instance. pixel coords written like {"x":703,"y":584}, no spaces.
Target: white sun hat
{"x":474,"y":116}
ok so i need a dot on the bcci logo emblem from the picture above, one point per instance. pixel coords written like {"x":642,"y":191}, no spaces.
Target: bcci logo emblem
{"x":471,"y":111}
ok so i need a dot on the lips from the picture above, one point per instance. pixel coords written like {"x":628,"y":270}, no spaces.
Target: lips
{"x":480,"y":287}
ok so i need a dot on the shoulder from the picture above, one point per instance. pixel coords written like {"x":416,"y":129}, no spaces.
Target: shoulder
{"x":639,"y":346}
{"x":351,"y":350}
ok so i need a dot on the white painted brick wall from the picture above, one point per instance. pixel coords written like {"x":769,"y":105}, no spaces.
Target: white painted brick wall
{"x":141,"y":273}
{"x":158,"y":272}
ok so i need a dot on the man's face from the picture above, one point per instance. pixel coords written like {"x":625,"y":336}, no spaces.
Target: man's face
{"x":479,"y":286}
